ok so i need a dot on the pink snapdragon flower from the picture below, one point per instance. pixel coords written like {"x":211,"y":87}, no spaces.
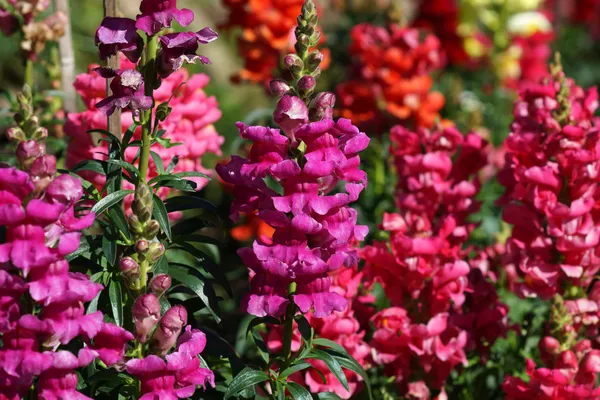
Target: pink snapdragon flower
{"x":176,"y":376}
{"x":313,"y":226}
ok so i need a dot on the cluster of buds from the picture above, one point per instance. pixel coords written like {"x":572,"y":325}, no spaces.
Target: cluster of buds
{"x":21,"y":15}
{"x":267,"y":28}
{"x":30,"y":138}
{"x":303,"y":68}
{"x":147,"y":250}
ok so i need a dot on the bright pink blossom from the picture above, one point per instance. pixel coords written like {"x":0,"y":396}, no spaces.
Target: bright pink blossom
{"x":313,"y":226}
{"x":176,"y":376}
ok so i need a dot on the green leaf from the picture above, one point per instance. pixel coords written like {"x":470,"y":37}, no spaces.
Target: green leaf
{"x":305,"y":329}
{"x":247,"y":378}
{"x":352,"y":365}
{"x":110,"y":137}
{"x":328,"y":396}
{"x":331,"y":344}
{"x":198,"y":239}
{"x":332,"y":363}
{"x":195,"y":174}
{"x":208,"y":264}
{"x":180,"y":184}
{"x":345,"y":360}
{"x":195,"y":284}
{"x":161,"y":266}
{"x":159,"y":212}
{"x":127,"y":137}
{"x":110,"y":200}
{"x":116,"y":301}
{"x":160,"y":168}
{"x":172,"y":164}
{"x":93,"y":305}
{"x":298,"y":392}
{"x":109,"y":247}
{"x":166,"y":143}
{"x":183,"y":203}
{"x":90,"y":165}
{"x":118,"y":218}
{"x":130,"y":168}
{"x":261,"y":347}
{"x":302,"y":365}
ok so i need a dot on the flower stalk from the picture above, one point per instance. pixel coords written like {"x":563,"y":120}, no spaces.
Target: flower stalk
{"x":289,"y":328}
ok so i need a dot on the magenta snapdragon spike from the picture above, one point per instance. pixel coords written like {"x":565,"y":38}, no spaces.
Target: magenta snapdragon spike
{"x":315,"y":162}
{"x":313,"y":226}
{"x":552,"y":189}
{"x":42,"y":303}
{"x":551,"y":199}
{"x":40,"y":232}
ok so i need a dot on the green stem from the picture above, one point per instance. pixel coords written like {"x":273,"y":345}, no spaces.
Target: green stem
{"x":289,"y":328}
{"x":149,"y":82}
{"x":28,"y":73}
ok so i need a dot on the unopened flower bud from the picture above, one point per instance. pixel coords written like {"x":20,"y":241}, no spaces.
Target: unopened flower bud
{"x":142,"y":246}
{"x":293,"y":63}
{"x":142,"y":204}
{"x":146,"y":313}
{"x":15,"y":134}
{"x":279,"y":87}
{"x":27,"y":152}
{"x":135,"y":224}
{"x":168,"y":330}
{"x":160,"y":284}
{"x":152,"y":228}
{"x":130,"y":269}
{"x":303,"y":39}
{"x":306,"y":84}
{"x":322,"y":106}
{"x":315,"y":58}
{"x":40,"y":134}
{"x":156,"y":251}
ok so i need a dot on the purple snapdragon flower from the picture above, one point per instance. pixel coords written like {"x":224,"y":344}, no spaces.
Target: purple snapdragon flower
{"x":119,"y":34}
{"x":158,"y":14}
{"x":180,"y":48}
{"x":127,"y":90}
